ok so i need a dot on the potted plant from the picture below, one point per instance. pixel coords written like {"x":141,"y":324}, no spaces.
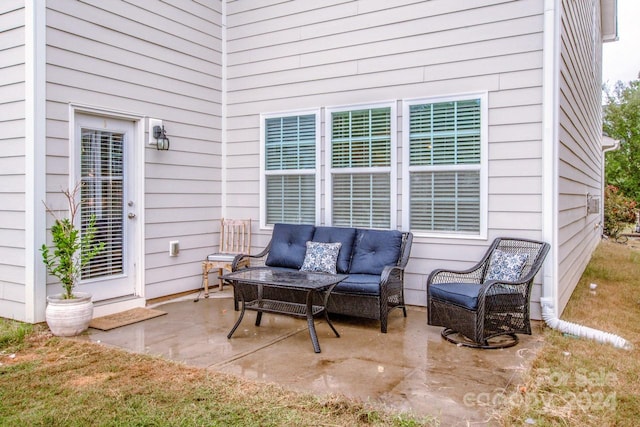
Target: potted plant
{"x":69,"y":313}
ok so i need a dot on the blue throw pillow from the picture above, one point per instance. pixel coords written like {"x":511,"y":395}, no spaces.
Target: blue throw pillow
{"x":288,"y":245}
{"x":321,"y":257}
{"x":505,"y":266}
{"x":375,"y":249}
{"x":345,"y":236}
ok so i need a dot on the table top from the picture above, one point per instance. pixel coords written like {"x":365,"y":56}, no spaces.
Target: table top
{"x":285,"y":278}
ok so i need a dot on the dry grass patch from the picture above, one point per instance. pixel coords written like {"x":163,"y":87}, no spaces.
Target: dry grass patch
{"x":61,"y":382}
{"x":575,"y":381}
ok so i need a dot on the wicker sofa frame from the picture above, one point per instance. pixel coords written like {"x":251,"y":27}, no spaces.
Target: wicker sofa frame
{"x":502,"y":306}
{"x":365,"y":305}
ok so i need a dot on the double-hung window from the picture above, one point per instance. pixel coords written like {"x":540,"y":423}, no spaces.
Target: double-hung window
{"x":360,"y":157}
{"x":289,"y":161}
{"x":445,"y":154}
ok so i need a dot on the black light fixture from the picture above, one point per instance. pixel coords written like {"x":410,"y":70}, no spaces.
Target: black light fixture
{"x":162,"y":142}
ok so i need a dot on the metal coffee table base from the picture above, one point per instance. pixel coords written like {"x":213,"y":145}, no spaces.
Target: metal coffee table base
{"x":307,"y":310}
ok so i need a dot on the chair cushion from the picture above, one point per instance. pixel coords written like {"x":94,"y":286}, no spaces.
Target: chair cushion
{"x":505,"y":266}
{"x":288,"y":245}
{"x":345,"y":236}
{"x":460,"y":294}
{"x":361,"y":284}
{"x":375,"y":249}
{"x":321,"y":257}
{"x":221,"y":257}
{"x":466,"y":295}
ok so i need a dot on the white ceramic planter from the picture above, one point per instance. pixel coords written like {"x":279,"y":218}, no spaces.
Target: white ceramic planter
{"x":69,"y":317}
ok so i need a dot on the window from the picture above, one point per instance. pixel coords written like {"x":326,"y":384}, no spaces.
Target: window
{"x":361,"y":144}
{"x":289,"y":164}
{"x":444,"y":152}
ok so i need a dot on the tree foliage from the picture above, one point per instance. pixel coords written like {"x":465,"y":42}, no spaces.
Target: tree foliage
{"x":72,"y":249}
{"x":619,"y":211}
{"x":621,"y":121}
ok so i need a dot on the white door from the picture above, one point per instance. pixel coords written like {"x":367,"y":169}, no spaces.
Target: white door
{"x":104,"y":166}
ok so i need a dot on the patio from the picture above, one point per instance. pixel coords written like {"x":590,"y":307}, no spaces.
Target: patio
{"x":410,"y":369}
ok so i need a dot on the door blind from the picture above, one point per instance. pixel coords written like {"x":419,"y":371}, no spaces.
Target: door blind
{"x":102,"y":178}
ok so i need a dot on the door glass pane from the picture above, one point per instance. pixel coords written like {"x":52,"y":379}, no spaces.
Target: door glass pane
{"x":102,"y":178}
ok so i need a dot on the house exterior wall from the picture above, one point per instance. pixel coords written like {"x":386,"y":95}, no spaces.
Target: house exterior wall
{"x":159,"y":59}
{"x":12,"y":159}
{"x":210,"y":69}
{"x":580,"y":159}
{"x":313,"y":55}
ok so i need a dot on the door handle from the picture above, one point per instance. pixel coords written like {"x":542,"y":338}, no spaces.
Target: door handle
{"x":131,"y":215}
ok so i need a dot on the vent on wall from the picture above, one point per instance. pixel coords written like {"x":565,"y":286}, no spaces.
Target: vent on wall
{"x":593,"y":204}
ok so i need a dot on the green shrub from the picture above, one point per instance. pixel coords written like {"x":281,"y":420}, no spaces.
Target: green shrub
{"x":619,"y":211}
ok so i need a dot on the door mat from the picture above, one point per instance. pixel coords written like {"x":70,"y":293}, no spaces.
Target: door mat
{"x":128,"y":317}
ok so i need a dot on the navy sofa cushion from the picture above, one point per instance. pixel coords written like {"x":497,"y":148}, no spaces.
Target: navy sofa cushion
{"x":374,"y":249}
{"x":346,"y":236}
{"x":466,"y":295}
{"x":289,"y":245}
{"x":361,"y":284}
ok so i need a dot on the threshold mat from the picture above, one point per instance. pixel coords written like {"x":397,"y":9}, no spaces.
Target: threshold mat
{"x":124,"y":318}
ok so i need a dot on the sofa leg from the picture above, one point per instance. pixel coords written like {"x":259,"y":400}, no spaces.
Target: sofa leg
{"x":383,"y":324}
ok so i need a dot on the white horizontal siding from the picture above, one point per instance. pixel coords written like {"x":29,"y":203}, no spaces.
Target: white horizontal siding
{"x":295,"y":55}
{"x":160,"y":59}
{"x":12,"y":160}
{"x":580,"y":131}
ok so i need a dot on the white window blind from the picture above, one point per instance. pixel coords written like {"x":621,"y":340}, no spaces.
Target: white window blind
{"x":444,"y":165}
{"x":361,"y":162}
{"x":361,"y":138}
{"x":102,"y":179}
{"x":290,"y":162}
{"x":361,"y":200}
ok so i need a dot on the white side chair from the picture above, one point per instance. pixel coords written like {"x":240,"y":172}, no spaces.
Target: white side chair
{"x":235,"y":238}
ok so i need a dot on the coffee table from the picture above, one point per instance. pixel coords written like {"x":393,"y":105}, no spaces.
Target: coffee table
{"x":313,"y":283}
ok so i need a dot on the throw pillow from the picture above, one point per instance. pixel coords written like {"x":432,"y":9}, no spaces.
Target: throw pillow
{"x":321,"y":257}
{"x":505,"y":266}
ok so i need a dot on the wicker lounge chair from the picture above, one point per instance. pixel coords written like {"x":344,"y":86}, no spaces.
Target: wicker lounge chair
{"x":489,"y":300}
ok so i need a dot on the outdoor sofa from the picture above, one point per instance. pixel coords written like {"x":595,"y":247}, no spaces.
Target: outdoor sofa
{"x":373,"y":259}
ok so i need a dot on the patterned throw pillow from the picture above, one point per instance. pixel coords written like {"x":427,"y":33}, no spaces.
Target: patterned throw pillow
{"x":505,"y":266}
{"x":321,"y":257}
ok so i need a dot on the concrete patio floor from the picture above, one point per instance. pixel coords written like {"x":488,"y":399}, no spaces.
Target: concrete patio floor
{"x":409,"y":369}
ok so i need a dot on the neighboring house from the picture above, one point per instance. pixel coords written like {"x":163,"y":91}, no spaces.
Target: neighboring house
{"x":458,"y":120}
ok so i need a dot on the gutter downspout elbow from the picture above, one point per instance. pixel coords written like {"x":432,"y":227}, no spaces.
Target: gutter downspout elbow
{"x":582,"y":331}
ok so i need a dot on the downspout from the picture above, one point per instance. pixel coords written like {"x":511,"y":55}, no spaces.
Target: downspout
{"x":35,"y":282}
{"x":551,"y":75}
{"x":223,"y":110}
{"x":550,"y":100}
{"x":608,"y":144}
{"x":582,"y":331}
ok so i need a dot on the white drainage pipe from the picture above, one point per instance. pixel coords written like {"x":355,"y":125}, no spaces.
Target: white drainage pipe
{"x":583,"y":331}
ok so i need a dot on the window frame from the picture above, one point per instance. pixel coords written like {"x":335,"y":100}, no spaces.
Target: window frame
{"x":312,"y":171}
{"x":482,"y":167}
{"x":391,"y":169}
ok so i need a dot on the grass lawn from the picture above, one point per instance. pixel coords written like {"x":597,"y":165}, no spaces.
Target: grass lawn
{"x":578,"y":382}
{"x":49,"y":381}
